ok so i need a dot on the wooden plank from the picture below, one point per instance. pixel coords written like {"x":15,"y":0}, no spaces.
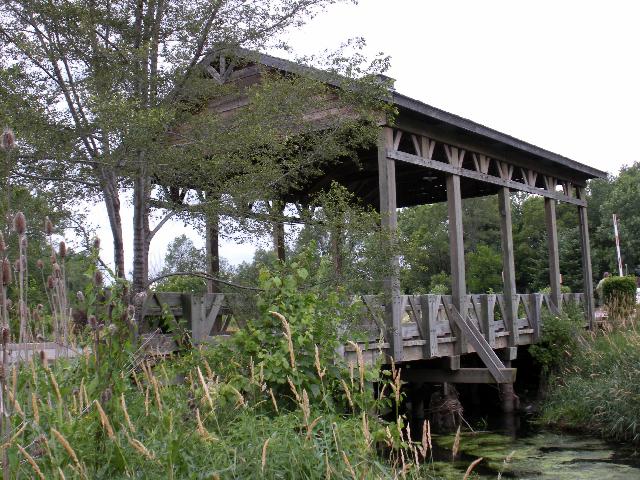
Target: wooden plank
{"x":554,"y":256}
{"x":462,"y":375}
{"x":487,"y":308}
{"x":535,"y":308}
{"x":482,"y":348}
{"x":464,"y":172}
{"x":508,"y":264}
{"x":388,"y":212}
{"x":430,"y":305}
{"x":587,"y":273}
{"x":456,"y":252}
{"x":208,"y":319}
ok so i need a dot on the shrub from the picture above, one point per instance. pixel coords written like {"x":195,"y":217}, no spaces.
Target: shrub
{"x":620,"y":289}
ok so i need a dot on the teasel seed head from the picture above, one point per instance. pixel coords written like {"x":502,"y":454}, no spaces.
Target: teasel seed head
{"x":50,"y":282}
{"x":6,"y":271}
{"x":40,"y":264}
{"x":40,"y":308}
{"x":20,"y":223}
{"x":98,"y":279}
{"x":36,"y":316}
{"x":16,"y":265}
{"x":48,"y":226}
{"x":96,"y":243}
{"x":80,"y":297}
{"x":6,"y":334}
{"x":62,"y":249}
{"x":93,"y":323}
{"x":57,"y":271}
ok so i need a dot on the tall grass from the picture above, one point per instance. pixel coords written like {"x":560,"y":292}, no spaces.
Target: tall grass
{"x":599,"y":387}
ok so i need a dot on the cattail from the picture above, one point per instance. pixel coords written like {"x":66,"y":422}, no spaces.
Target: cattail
{"x":80,"y":297}
{"x":8,"y":140}
{"x":40,"y":264}
{"x":48,"y":226}
{"x":62,"y":249}
{"x":6,"y":272}
{"x":20,"y":223}
{"x":98,"y":279}
{"x":96,"y":243}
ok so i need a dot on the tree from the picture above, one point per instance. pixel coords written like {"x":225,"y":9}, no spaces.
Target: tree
{"x":103,"y":94}
{"x":485,"y":270}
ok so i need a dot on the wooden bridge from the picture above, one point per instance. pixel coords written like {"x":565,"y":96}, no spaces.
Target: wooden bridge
{"x":429,"y":326}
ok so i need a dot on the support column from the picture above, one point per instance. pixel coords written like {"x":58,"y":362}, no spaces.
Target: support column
{"x":387,"y":182}
{"x":554,"y":257}
{"x":508,"y":266}
{"x":456,"y":251}
{"x":589,"y":307}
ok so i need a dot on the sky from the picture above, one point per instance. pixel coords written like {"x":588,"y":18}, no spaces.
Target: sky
{"x":562,"y":75}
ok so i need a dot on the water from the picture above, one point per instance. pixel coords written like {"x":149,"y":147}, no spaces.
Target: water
{"x":527,"y":453}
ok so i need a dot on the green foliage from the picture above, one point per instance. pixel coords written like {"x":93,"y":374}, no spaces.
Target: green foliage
{"x":619,"y":289}
{"x":485,"y":270}
{"x":560,"y":337}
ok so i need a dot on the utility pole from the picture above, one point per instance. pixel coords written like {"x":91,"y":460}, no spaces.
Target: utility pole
{"x":615,"y":232}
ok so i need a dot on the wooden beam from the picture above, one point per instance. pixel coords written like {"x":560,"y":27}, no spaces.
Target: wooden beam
{"x":508,"y":265}
{"x":554,"y":256}
{"x":487,"y":306}
{"x":429,"y":306}
{"x":587,"y":273}
{"x":465,"y":172}
{"x":462,"y":375}
{"x":456,"y":251}
{"x":388,"y":212}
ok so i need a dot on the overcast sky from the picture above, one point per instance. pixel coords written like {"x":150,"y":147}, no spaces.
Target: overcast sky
{"x":563,"y":75}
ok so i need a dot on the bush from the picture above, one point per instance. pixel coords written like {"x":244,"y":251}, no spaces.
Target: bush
{"x":620,"y":289}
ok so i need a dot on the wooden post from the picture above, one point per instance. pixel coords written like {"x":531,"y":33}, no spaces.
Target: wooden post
{"x":554,"y":257}
{"x":487,"y":306}
{"x":393,"y":301}
{"x":587,"y":273}
{"x":508,"y":266}
{"x":456,"y":251}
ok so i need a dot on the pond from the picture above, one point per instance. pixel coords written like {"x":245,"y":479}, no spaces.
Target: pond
{"x":530,"y":453}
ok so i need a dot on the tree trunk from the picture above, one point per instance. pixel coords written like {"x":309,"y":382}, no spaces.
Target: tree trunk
{"x":141,"y":236}
{"x":112,"y":203}
{"x":213,"y":252}
{"x":278,"y":230}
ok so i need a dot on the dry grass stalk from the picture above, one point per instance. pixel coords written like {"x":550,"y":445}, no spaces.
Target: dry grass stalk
{"x":34,"y":407}
{"x":55,"y":386}
{"x":471,"y":467}
{"x":365,"y":430}
{"x":32,"y":462}
{"x":9,"y":442}
{"x":202,"y":431}
{"x":106,"y":424}
{"x":327,"y":474}
{"x":273,"y":400}
{"x":146,"y":402}
{"x":67,"y":446}
{"x":456,"y":445}
{"x":263,"y":463}
{"x":123,"y":404}
{"x":347,"y":392}
{"x":361,"y":365}
{"x":61,"y":474}
{"x":205,"y":388}
{"x":156,"y":391}
{"x":241,"y":402}
{"x":425,"y":445}
{"x":287,"y":334}
{"x":293,"y":389}
{"x":321,"y":371}
{"x":15,"y":403}
{"x":140,"y":448}
{"x":349,"y":467}
{"x":207,"y":367}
